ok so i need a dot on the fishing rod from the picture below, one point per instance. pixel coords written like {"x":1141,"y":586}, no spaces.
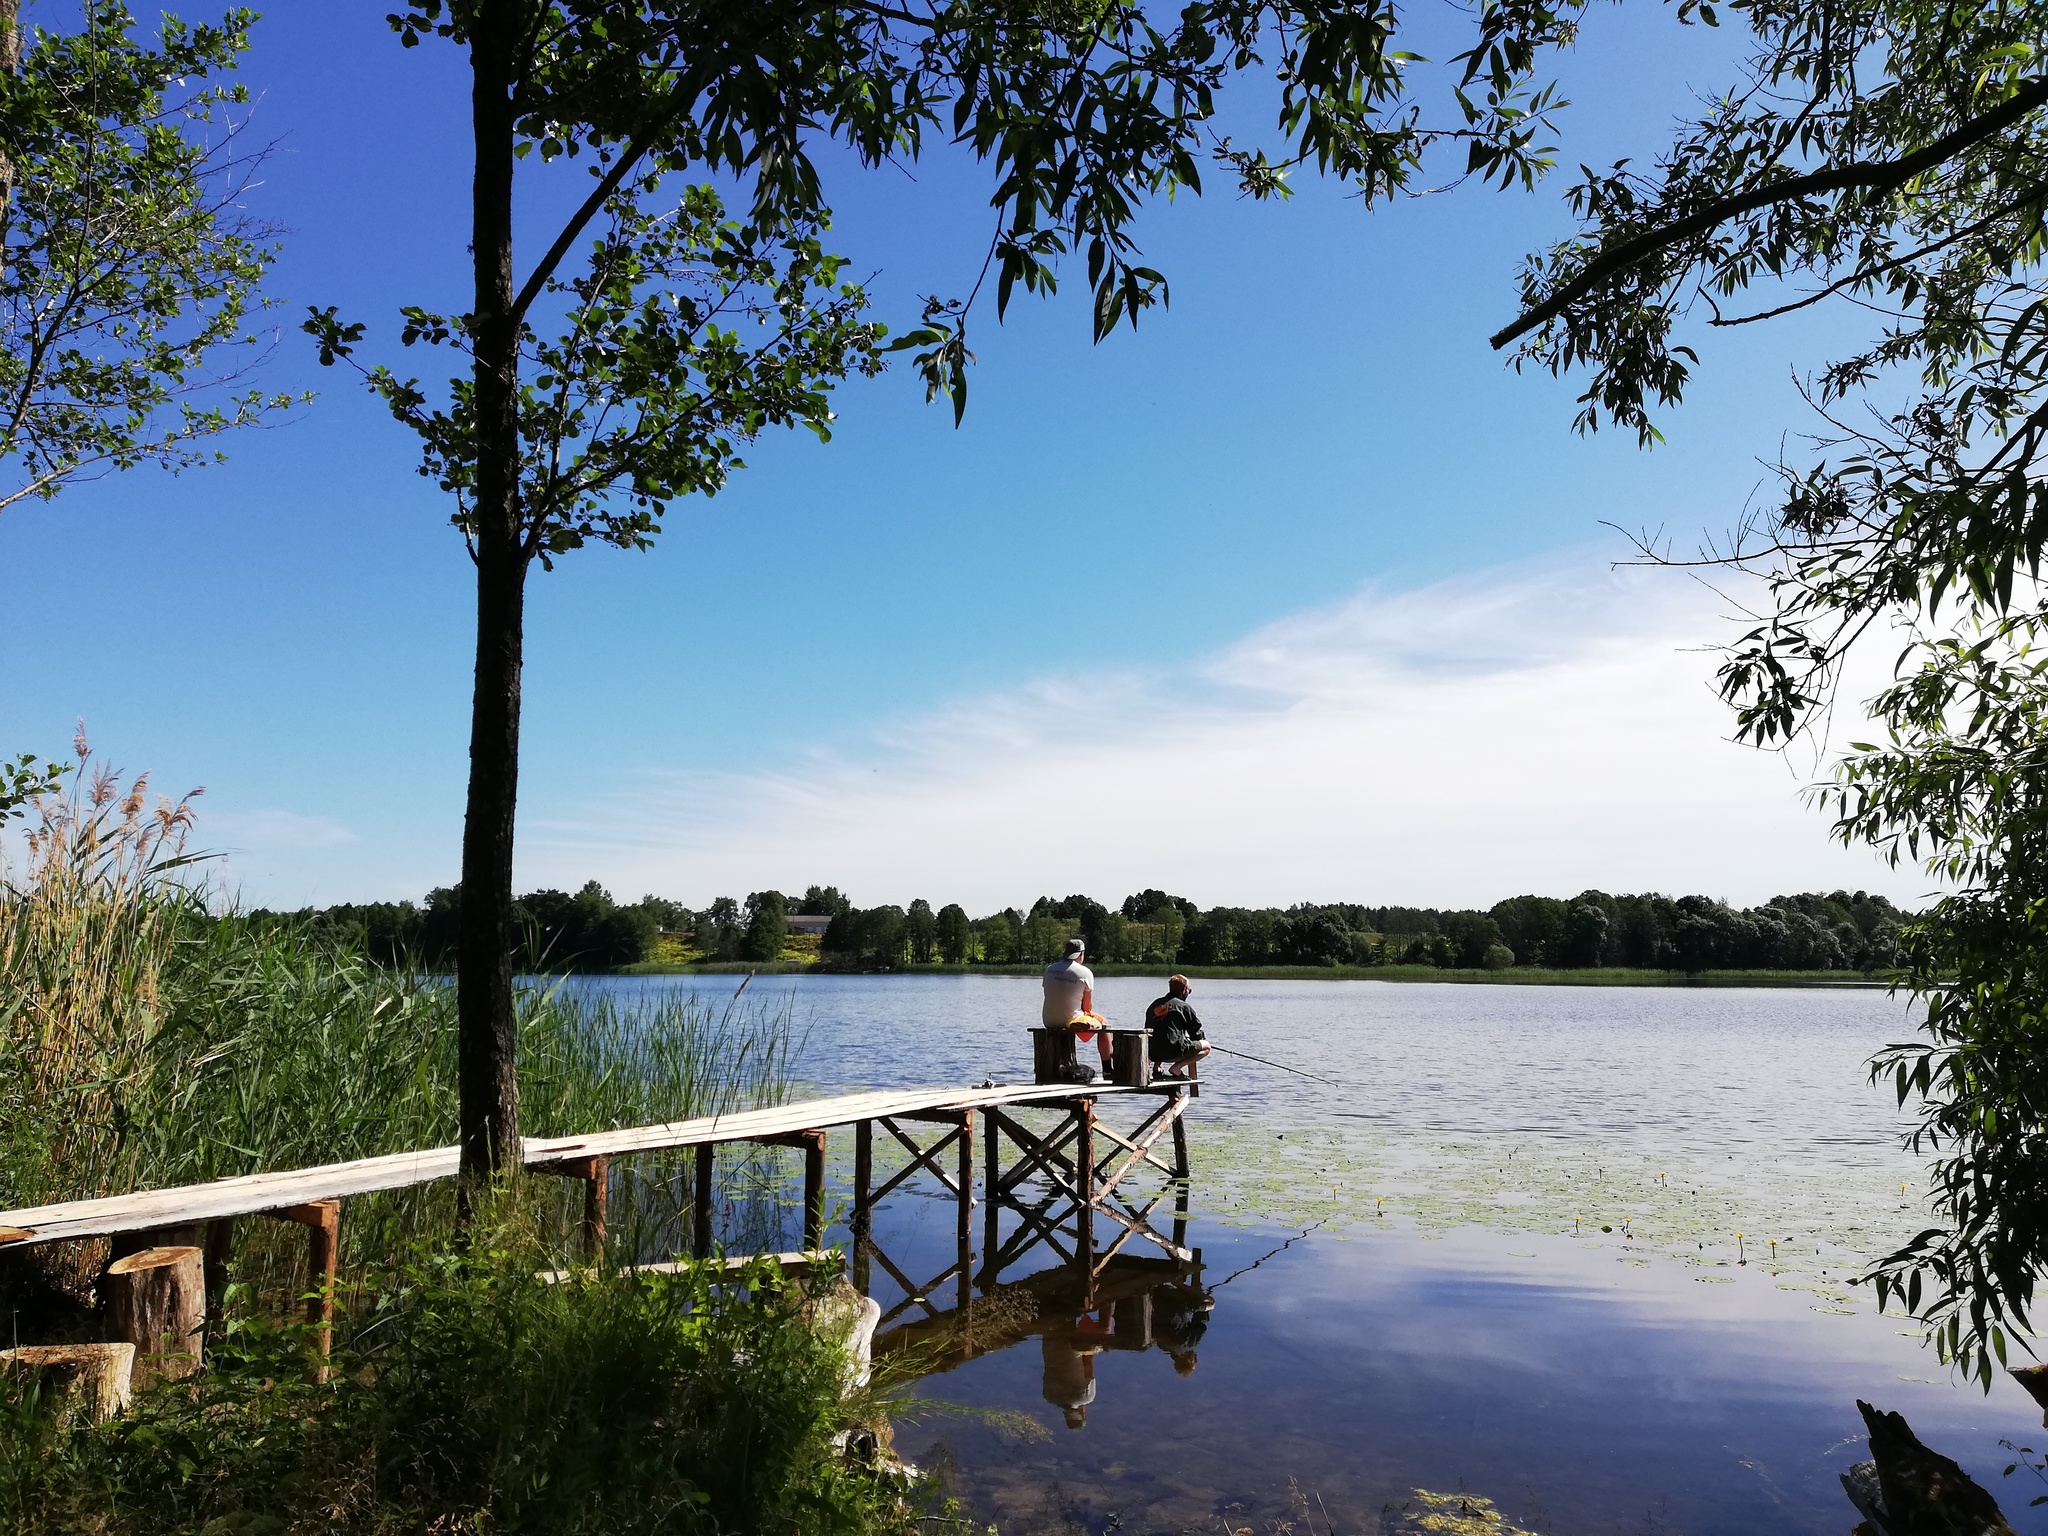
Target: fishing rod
{"x":1248,"y":1056}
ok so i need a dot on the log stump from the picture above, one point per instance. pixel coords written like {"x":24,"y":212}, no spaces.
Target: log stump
{"x":88,"y":1381}
{"x":156,"y":1300}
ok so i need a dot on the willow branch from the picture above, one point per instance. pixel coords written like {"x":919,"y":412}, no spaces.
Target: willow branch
{"x":1861,"y":173}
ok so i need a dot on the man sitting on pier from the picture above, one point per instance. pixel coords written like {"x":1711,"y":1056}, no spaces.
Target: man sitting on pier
{"x":1177,"y":1039}
{"x":1070,"y":1004}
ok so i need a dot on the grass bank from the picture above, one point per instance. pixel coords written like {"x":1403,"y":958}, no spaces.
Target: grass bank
{"x":1523,"y":976}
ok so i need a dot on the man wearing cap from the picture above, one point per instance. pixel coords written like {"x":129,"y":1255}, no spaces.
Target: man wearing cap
{"x":1070,"y":1004}
{"x":1177,"y":1039}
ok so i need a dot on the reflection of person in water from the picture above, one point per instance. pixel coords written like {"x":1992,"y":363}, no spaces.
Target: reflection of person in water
{"x":1180,"y":1316}
{"x":1069,"y":1355}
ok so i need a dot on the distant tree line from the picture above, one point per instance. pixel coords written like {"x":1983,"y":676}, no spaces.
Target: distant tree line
{"x":589,"y":931}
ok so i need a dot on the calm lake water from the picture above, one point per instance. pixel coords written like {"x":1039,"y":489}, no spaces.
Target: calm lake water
{"x":1500,"y":1259}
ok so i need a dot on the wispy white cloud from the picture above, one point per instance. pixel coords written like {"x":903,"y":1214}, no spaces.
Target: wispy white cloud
{"x":256,"y":830}
{"x":1532,"y":730}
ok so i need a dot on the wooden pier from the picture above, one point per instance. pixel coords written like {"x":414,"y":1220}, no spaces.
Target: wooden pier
{"x":1059,"y":1181}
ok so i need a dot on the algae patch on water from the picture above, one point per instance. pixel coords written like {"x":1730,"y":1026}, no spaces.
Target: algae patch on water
{"x":1446,"y":1514}
{"x":1828,"y":1223}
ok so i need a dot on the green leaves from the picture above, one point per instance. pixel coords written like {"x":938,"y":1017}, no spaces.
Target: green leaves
{"x":684,"y":337}
{"x":25,"y":780}
{"x":129,"y":270}
{"x":1081,"y":109}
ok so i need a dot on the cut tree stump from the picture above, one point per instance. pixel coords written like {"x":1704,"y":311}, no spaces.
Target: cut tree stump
{"x":88,"y":1381}
{"x":1906,"y":1489}
{"x":156,"y":1300}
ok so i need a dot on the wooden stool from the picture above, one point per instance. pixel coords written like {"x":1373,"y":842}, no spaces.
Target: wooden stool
{"x":1053,"y":1056}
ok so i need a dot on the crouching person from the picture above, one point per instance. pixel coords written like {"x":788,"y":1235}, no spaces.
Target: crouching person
{"x":1177,"y":1040}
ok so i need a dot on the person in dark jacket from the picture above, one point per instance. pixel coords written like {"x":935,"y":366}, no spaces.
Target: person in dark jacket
{"x":1177,"y":1039}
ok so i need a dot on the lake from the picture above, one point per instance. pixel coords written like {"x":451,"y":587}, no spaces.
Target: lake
{"x":1500,"y":1259}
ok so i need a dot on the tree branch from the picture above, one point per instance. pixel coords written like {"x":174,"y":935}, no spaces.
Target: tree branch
{"x":1860,"y":173}
{"x":636,"y":148}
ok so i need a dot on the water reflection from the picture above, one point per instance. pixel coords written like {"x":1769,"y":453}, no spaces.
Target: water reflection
{"x":1132,"y":1305}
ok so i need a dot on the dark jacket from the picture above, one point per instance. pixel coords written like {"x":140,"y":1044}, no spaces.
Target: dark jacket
{"x":1172,"y":1022}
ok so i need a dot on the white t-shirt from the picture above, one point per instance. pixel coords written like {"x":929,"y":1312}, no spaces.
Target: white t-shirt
{"x":1065,"y":983}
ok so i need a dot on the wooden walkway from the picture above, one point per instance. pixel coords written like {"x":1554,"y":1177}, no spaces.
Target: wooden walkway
{"x":582,"y":1156}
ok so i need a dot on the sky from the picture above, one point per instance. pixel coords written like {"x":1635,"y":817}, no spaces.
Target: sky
{"x":1295,"y":593}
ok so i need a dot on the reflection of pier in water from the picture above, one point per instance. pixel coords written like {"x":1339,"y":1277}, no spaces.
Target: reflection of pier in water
{"x":1066,"y":1182}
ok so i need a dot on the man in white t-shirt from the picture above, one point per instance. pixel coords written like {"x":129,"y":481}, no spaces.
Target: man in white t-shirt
{"x":1070,"y":1004}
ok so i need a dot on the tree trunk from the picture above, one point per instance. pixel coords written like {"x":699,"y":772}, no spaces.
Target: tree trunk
{"x":488,"y":1035}
{"x":156,"y":1300}
{"x":78,"y":1380}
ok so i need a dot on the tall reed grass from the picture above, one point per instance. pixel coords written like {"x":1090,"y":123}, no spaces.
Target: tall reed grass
{"x":146,"y":1040}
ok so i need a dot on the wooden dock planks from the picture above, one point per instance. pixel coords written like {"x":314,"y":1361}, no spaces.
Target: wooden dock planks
{"x":253,"y":1194}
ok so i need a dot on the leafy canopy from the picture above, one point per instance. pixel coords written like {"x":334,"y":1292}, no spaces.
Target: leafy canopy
{"x":1081,"y":108}
{"x":1890,"y":155}
{"x":129,"y":269}
{"x":684,"y":335}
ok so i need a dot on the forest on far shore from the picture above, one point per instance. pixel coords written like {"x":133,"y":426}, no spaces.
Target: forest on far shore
{"x":590,"y":931}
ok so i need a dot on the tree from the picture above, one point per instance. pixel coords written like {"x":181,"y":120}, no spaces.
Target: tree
{"x":954,"y":933}
{"x":129,"y":270}
{"x":921,"y":931}
{"x":880,"y":937}
{"x":1082,"y":113}
{"x":1312,"y":938}
{"x":1583,"y":936}
{"x":1144,"y":907}
{"x":823,"y":901}
{"x":718,"y":929}
{"x":1886,"y":156}
{"x":27,"y":779}
{"x":1471,"y":934}
{"x":767,"y":927}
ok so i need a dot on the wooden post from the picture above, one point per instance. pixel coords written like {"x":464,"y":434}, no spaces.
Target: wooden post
{"x":597,"y":1205}
{"x":220,"y":1253}
{"x":595,"y":1172}
{"x":863,"y":1220}
{"x":814,"y":1190}
{"x":79,"y":1380}
{"x":1084,"y":1196}
{"x":156,"y":1300}
{"x":1180,"y":1146}
{"x":966,"y":1220}
{"x":700,"y":1235}
{"x":991,"y":1205}
{"x":322,"y":1219}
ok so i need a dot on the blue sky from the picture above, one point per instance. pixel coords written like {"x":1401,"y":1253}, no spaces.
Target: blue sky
{"x":968,"y":664}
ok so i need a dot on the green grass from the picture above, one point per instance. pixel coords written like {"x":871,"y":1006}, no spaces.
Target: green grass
{"x":473,"y":1399}
{"x":1526,"y":976}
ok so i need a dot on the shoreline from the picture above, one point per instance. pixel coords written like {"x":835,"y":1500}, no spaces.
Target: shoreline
{"x":1614,"y":976}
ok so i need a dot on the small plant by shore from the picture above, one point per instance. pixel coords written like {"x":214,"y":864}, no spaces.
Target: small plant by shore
{"x":474,"y":1396}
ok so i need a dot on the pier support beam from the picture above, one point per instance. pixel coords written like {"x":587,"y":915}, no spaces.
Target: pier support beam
{"x":863,"y":1222}
{"x":596,"y":1174}
{"x":706,"y":1188}
{"x":322,"y":1220}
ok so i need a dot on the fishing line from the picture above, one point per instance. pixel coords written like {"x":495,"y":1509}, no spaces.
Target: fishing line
{"x":1255,"y":1263}
{"x":1248,"y":1056}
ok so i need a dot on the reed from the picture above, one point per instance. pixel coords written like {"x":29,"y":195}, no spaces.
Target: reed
{"x":86,"y":931}
{"x":146,"y":1041}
